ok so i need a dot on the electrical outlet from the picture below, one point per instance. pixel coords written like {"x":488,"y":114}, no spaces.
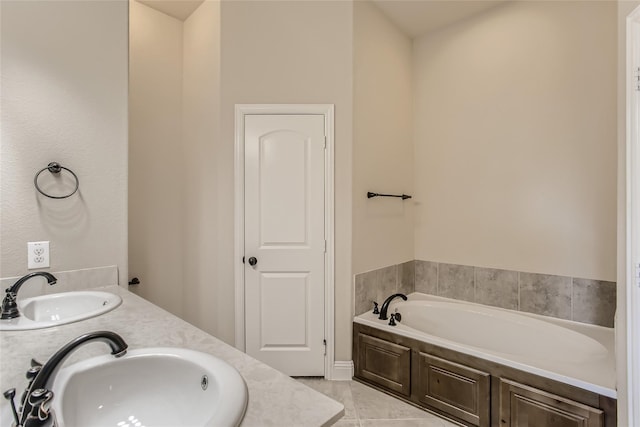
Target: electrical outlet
{"x":37,"y":255}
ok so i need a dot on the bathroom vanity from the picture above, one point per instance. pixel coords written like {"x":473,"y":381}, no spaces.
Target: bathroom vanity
{"x":274,"y":398}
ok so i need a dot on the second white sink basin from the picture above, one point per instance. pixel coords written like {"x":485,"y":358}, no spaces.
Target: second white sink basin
{"x":149,"y":388}
{"x":46,"y":311}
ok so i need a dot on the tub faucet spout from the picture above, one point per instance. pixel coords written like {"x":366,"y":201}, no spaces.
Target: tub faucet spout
{"x":385,"y":305}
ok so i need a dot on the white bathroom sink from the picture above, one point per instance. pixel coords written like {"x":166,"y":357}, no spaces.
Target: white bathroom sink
{"x":150,"y":387}
{"x":58,"y":309}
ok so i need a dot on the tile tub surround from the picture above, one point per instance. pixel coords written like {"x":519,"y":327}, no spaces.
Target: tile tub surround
{"x":274,"y":398}
{"x":569,"y":298}
{"x":377,"y":285}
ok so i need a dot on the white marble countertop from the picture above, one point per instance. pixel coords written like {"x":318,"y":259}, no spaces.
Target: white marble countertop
{"x":274,"y":398}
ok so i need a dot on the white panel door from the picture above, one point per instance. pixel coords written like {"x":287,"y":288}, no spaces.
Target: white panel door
{"x":285,"y":240}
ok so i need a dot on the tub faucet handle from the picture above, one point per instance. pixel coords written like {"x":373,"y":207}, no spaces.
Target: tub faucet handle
{"x":375,"y":308}
{"x":392,"y":320}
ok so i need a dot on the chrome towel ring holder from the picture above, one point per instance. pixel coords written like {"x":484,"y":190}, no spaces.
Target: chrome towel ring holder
{"x":56,"y":168}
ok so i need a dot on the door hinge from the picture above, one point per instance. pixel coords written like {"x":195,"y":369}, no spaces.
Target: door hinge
{"x":636,"y":79}
{"x":324,"y":343}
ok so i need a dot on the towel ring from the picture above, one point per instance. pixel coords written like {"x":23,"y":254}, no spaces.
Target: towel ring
{"x":56,"y":168}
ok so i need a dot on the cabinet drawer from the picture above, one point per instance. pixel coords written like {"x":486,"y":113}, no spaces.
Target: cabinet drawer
{"x":385,"y":363}
{"x":455,"y":389}
{"x":524,"y":406}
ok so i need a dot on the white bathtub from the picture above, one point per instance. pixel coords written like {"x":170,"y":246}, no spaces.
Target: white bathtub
{"x":574,"y":353}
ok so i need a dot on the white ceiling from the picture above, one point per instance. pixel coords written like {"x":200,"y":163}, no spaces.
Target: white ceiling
{"x":417,"y":17}
{"x":179,"y":9}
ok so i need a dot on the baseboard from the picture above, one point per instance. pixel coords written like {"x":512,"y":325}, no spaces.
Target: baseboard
{"x":342,"y":370}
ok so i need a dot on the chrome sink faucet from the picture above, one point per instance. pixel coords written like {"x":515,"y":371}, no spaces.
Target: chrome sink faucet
{"x":385,"y":305}
{"x":35,"y":408}
{"x":9,"y":306}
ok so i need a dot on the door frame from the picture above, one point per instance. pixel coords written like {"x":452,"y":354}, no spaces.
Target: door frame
{"x":631,"y":254}
{"x":241,"y":110}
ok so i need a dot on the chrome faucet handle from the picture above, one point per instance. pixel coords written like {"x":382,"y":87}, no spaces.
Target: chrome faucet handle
{"x":375,"y":308}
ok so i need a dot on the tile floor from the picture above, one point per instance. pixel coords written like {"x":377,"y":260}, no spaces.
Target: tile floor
{"x":367,"y":407}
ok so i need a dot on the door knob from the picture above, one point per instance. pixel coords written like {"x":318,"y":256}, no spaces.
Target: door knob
{"x":253,"y":261}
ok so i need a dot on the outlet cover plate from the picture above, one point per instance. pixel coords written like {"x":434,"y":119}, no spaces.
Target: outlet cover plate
{"x":37,"y":255}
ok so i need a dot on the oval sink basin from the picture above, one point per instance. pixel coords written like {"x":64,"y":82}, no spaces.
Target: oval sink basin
{"x":46,"y":311}
{"x":150,"y":387}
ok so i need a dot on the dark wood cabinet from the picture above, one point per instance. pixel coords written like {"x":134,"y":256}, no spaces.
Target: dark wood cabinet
{"x":385,"y":363}
{"x":455,"y":389}
{"x":470,"y":390}
{"x":524,"y":406}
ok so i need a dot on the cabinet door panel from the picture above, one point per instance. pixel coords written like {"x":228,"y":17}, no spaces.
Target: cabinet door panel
{"x":456,"y":389}
{"x":524,"y":406}
{"x":385,"y":363}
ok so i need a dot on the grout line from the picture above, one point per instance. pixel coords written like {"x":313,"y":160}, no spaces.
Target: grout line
{"x":572,"y":279}
{"x":413,"y":283}
{"x":475,"y":286}
{"x":519,"y":291}
{"x":437,"y":278}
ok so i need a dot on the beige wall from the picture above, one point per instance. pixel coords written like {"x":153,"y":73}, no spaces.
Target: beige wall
{"x":515,"y":140}
{"x":288,"y":52}
{"x":262,"y":63}
{"x":201,"y":258}
{"x":382,"y":140}
{"x":624,"y":9}
{"x":156,"y":169}
{"x":174,"y":98}
{"x":64,"y":98}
